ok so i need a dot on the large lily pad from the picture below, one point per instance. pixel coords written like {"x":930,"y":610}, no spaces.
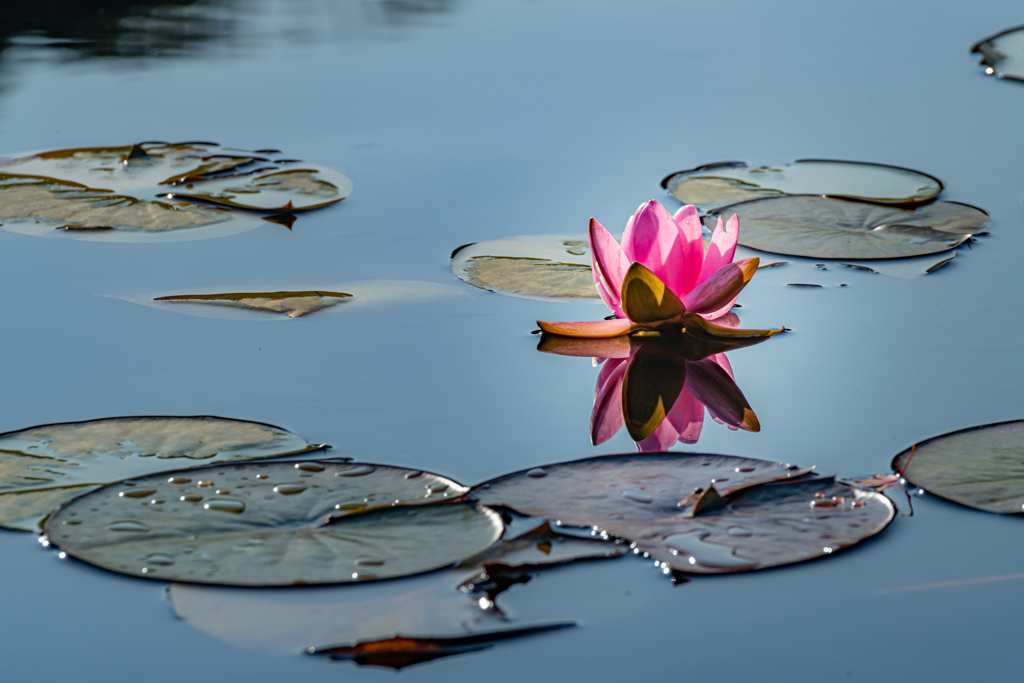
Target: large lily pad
{"x":275,"y":524}
{"x":156,"y":190}
{"x":1002,"y":55}
{"x":713,"y":186}
{"x":980,"y":467}
{"x":43,"y":467}
{"x":698,"y":513}
{"x":821,"y":227}
{"x":293,"y":304}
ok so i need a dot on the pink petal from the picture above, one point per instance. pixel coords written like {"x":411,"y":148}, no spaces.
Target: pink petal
{"x":721,"y":359}
{"x":606,"y":417}
{"x":687,"y":416}
{"x":609,"y":265}
{"x":662,"y":439}
{"x":723,"y":247}
{"x":722,"y":288}
{"x":713,"y":387}
{"x":692,"y":236}
{"x":653,"y":240}
{"x":730,"y":320}
{"x":594,"y":329}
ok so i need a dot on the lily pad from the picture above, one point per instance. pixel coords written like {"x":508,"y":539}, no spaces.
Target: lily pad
{"x":294,"y":304}
{"x":821,"y":227}
{"x":1002,"y":55}
{"x":275,"y":524}
{"x":713,"y":186}
{"x":43,"y":467}
{"x":157,"y":191}
{"x":698,"y":513}
{"x":980,"y":467}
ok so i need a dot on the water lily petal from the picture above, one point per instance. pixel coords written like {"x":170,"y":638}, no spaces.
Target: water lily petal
{"x":739,"y":337}
{"x":593,"y":329}
{"x":609,"y":264}
{"x":722,"y":360}
{"x":727,"y":320}
{"x":688,"y":223}
{"x":722,"y":287}
{"x":687,"y":416}
{"x":722,"y":248}
{"x":653,"y":239}
{"x":654,"y":378}
{"x":713,"y":387}
{"x":646,"y":299}
{"x":605,"y":347}
{"x":663,"y":438}
{"x":606,"y":417}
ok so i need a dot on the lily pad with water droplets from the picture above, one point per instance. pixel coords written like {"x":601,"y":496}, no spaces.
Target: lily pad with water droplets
{"x":980,"y":467}
{"x":43,"y":467}
{"x":293,"y":304}
{"x":699,"y":513}
{"x":157,"y":191}
{"x":1002,"y":55}
{"x":275,"y":524}
{"x":821,"y":227}
{"x":713,"y":186}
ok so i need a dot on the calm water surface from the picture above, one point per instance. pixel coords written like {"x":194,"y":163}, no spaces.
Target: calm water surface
{"x":464,"y":120}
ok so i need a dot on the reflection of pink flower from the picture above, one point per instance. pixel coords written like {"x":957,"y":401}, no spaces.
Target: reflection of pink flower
{"x":663,"y":261}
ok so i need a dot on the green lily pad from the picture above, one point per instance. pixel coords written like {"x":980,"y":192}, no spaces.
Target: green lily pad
{"x":41,"y":468}
{"x":1002,"y":55}
{"x":275,"y":524}
{"x":699,"y":513}
{"x":980,"y":467}
{"x":713,"y":186}
{"x":821,"y":227}
{"x":157,"y":191}
{"x":294,"y":304}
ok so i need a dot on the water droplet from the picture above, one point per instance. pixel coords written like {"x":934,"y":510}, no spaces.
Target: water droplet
{"x":437,"y":488}
{"x":157,"y":501}
{"x":262,"y":476}
{"x":204,"y":484}
{"x":127,"y":525}
{"x":72,"y":521}
{"x":536,"y":472}
{"x":290,"y":489}
{"x":638,"y":496}
{"x":412,"y":475}
{"x":191,"y":498}
{"x":225,"y":505}
{"x":349,"y":506}
{"x":358,"y":471}
{"x":137,"y":493}
{"x":223,"y":492}
{"x":827,"y":550}
{"x":179,"y":480}
{"x":739,"y":531}
{"x":162,"y":560}
{"x":702,"y":552}
{"x":367,"y":561}
{"x":62,"y":555}
{"x":744,"y":469}
{"x":310,"y":467}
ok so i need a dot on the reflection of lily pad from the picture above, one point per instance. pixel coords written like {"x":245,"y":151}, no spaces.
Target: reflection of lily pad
{"x":980,"y":467}
{"x":43,"y":467}
{"x":698,"y":513}
{"x":1002,"y":55}
{"x":294,"y":304}
{"x":157,"y":191}
{"x":821,"y":227}
{"x":274,"y":524}
{"x":531,"y":266}
{"x":715,"y":185}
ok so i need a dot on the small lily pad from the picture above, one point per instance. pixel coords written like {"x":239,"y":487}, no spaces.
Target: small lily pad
{"x":980,"y":467}
{"x":1002,"y":55}
{"x":43,"y":467}
{"x":713,"y":186}
{"x":699,"y":513}
{"x":157,"y":191}
{"x":294,"y":304}
{"x":275,"y":524}
{"x":821,"y":227}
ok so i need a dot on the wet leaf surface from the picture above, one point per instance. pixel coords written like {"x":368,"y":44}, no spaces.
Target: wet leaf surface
{"x":1002,"y":55}
{"x":821,"y":227}
{"x":980,"y":467}
{"x":43,"y":467}
{"x":699,"y":513}
{"x":275,"y":524}
{"x":157,"y":191}
{"x":294,"y":304}
{"x":713,"y":186}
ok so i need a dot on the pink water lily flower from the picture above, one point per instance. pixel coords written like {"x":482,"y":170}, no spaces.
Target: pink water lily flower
{"x":661,"y":275}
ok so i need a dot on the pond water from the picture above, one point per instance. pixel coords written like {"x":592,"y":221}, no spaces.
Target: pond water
{"x":461,"y":121}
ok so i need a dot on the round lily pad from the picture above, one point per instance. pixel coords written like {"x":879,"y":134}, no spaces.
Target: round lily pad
{"x":43,"y":467}
{"x":713,"y":186}
{"x":1002,"y":55}
{"x":698,"y":513}
{"x":822,"y":227}
{"x":531,"y":266}
{"x":980,"y":467}
{"x":158,"y":191}
{"x":275,"y":524}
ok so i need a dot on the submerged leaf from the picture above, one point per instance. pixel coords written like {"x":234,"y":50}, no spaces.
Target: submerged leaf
{"x":275,"y":524}
{"x":43,"y":467}
{"x":294,"y":304}
{"x":713,"y":186}
{"x":1002,"y":55}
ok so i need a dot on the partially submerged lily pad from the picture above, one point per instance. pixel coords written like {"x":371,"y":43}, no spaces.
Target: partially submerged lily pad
{"x":698,"y":513}
{"x":157,"y":191}
{"x":980,"y":467}
{"x":1002,"y":55}
{"x":821,"y":227}
{"x":43,"y":467}
{"x":275,"y":524}
{"x":294,"y":304}
{"x":713,"y":186}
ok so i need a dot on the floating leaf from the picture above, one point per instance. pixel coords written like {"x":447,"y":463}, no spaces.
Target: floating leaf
{"x":821,"y":227}
{"x":43,"y":467}
{"x":699,"y":513}
{"x":156,"y":190}
{"x":980,"y":467}
{"x":294,"y":304}
{"x":1002,"y":55}
{"x":275,"y":524}
{"x":713,"y":186}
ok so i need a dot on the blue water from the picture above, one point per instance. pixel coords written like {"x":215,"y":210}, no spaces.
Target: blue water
{"x":467,"y":120}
